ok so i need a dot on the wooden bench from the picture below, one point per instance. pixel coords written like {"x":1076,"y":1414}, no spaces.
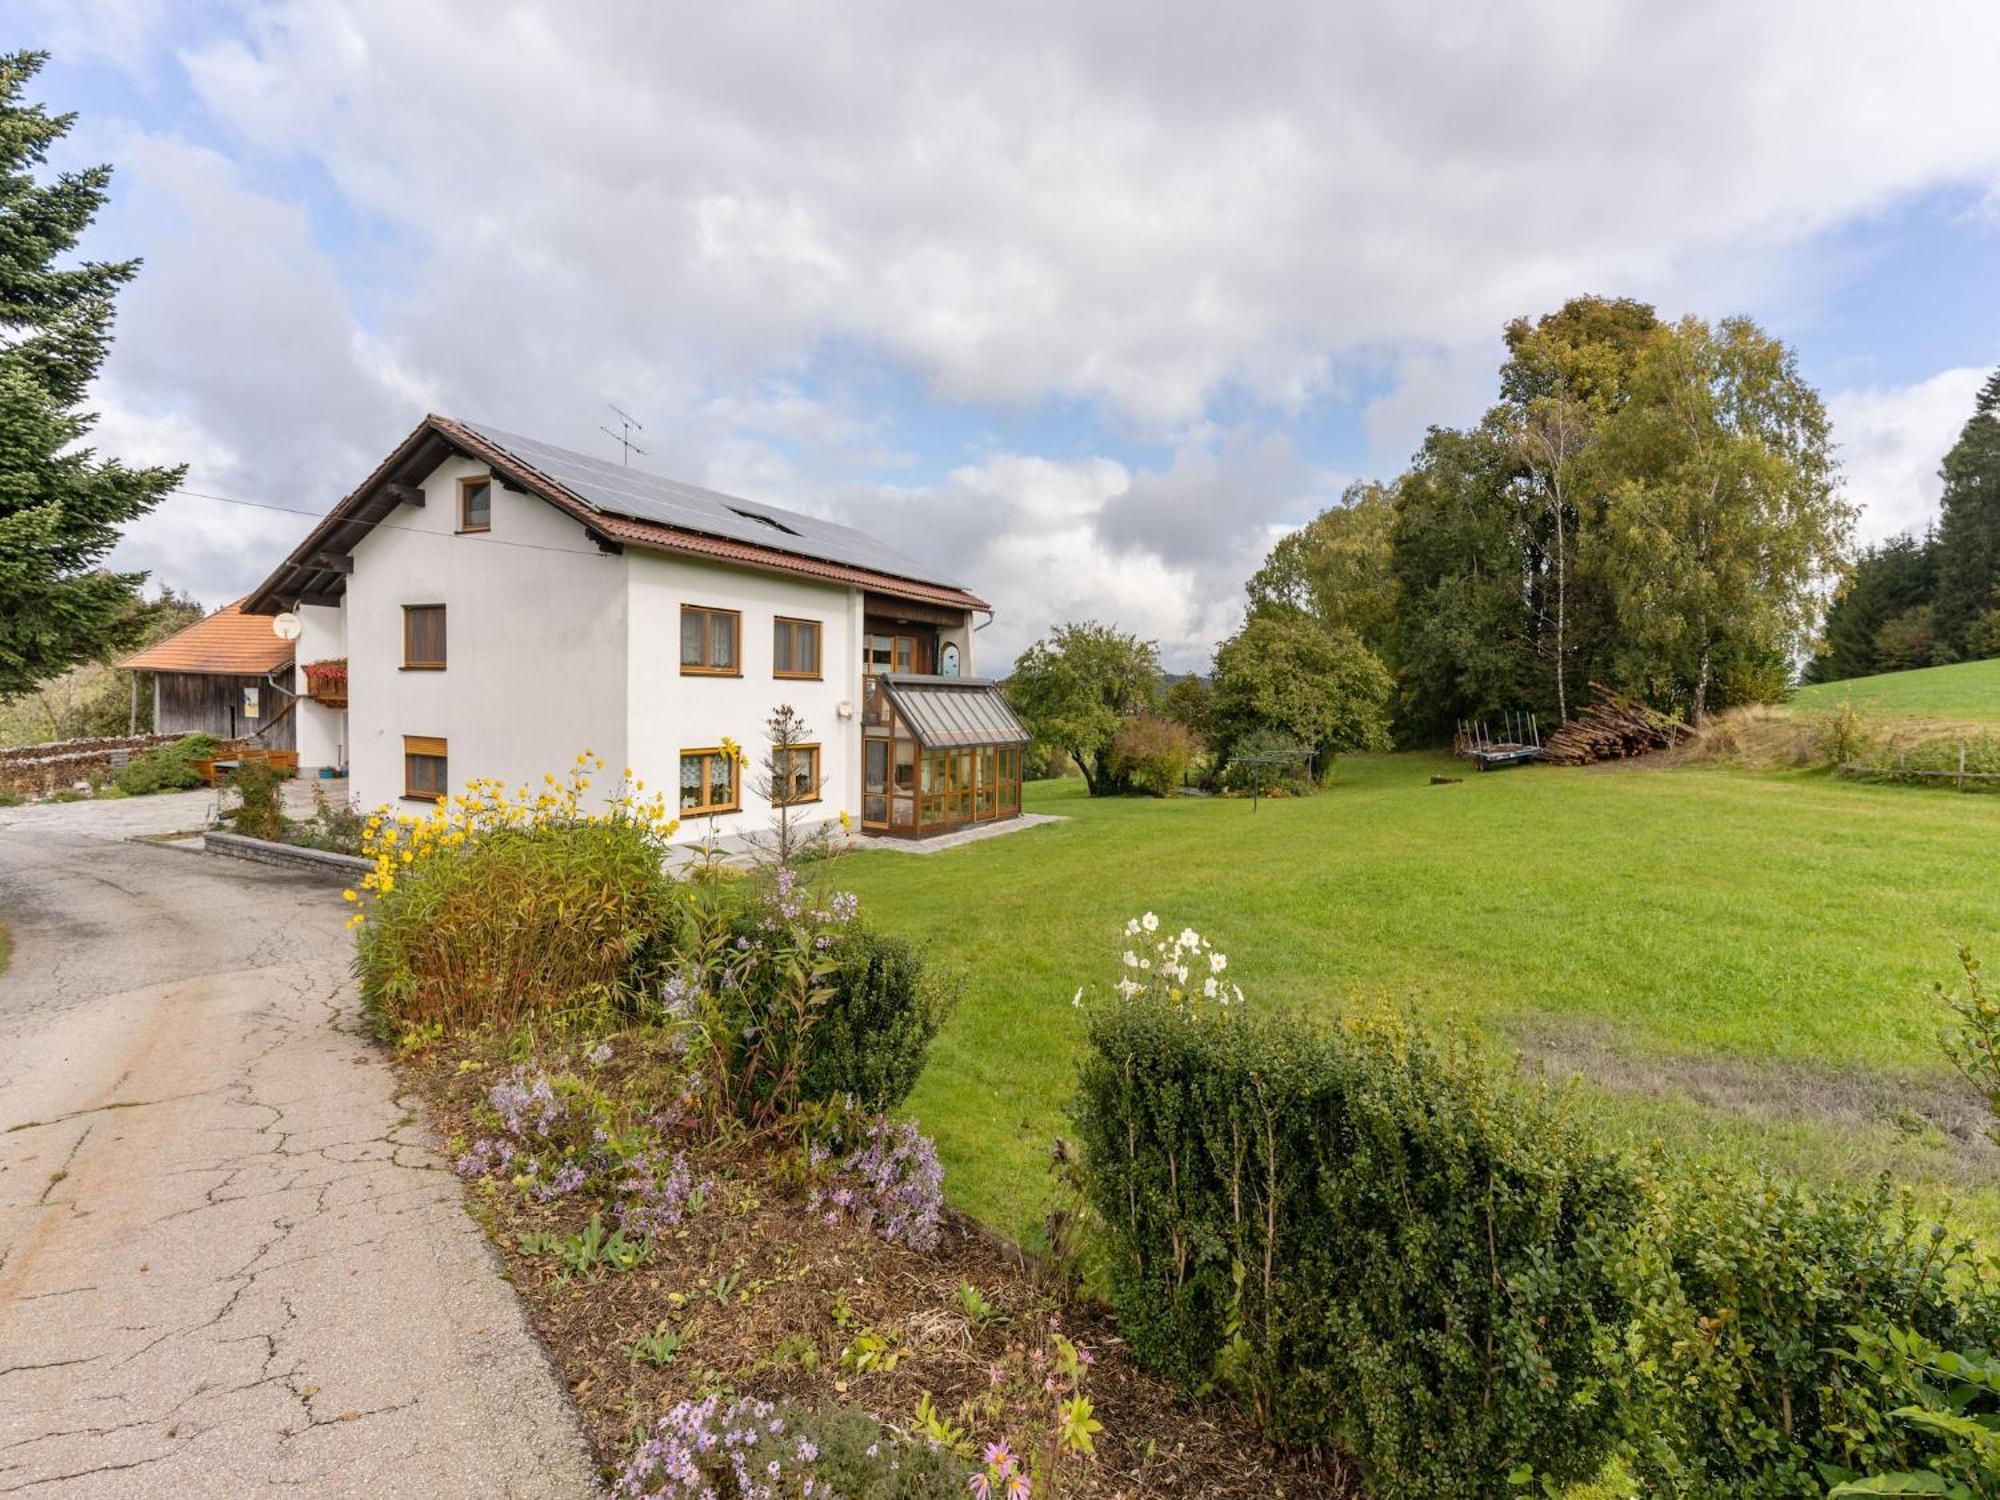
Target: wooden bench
{"x":228,"y":758}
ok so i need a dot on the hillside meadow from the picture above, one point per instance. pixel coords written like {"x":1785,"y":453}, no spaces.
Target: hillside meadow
{"x":1730,"y":962}
{"x":1967,"y":692}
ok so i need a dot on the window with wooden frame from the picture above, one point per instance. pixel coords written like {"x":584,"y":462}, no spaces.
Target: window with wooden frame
{"x":475,"y":503}
{"x":426,"y":773}
{"x":795,"y":775}
{"x":423,"y":637}
{"x":709,"y":639}
{"x":795,"y":648}
{"x":710,"y":782}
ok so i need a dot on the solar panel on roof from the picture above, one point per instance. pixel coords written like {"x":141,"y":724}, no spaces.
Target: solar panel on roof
{"x":633,"y":493}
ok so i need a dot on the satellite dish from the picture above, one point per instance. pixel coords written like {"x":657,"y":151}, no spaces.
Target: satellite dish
{"x":287,"y":626}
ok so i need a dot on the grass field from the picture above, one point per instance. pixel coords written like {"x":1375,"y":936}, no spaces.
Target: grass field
{"x":1735,"y":962}
{"x":1968,"y":692}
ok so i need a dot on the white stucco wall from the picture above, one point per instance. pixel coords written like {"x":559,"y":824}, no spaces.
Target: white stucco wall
{"x":670,"y":712}
{"x":535,"y":643}
{"x":322,"y":731}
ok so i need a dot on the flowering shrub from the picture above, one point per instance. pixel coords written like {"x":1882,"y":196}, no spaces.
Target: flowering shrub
{"x":756,"y":1450}
{"x":1184,"y":971}
{"x":1035,"y":1396}
{"x":553,"y":1134}
{"x":501,"y":903}
{"x":1153,"y":754}
{"x":878,"y":1173}
{"x":751,"y":983}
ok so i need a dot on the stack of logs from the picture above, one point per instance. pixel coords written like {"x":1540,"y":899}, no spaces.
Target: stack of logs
{"x":1613,"y":727}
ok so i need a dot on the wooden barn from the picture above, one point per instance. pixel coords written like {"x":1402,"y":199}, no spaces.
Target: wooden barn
{"x":225,"y":675}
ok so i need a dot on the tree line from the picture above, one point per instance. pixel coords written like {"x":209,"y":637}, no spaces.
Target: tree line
{"x":1927,"y":601}
{"x":1651,"y":505}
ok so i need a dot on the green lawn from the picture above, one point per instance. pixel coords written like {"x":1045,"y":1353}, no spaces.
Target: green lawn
{"x":1765,"y":941}
{"x":1967,"y":691}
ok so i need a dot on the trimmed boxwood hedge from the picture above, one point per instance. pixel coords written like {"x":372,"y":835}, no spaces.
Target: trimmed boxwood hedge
{"x":1388,"y":1247}
{"x":1372,"y":1238}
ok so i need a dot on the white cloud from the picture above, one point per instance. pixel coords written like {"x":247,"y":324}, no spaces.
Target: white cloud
{"x":1160,"y":554}
{"x":1190,"y":221}
{"x":1891,"y":443}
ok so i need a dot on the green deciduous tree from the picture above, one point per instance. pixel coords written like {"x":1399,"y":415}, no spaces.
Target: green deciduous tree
{"x":1335,"y":568}
{"x":1289,"y":674}
{"x":1190,"y":702}
{"x":1074,"y":687}
{"x":61,"y":508}
{"x":1565,"y":375}
{"x":1462,"y":645}
{"x":1723,"y":522}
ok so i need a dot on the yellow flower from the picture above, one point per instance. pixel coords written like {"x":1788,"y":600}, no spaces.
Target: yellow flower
{"x":349,"y":895}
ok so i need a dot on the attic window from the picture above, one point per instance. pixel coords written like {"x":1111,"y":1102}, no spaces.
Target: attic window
{"x":751,"y":515}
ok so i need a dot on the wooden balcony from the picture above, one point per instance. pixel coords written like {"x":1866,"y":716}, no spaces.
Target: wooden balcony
{"x":326,"y":683}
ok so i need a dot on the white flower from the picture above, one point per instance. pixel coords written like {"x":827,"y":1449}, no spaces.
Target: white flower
{"x":1132,"y":927}
{"x":1145,"y":963}
{"x":1077,"y":998}
{"x":1190,"y":939}
{"x":1131,"y":959}
{"x":1217,"y":962}
{"x":1150,"y":922}
{"x":1128,"y":988}
{"x":1209,"y":987}
{"x":1239,"y":993}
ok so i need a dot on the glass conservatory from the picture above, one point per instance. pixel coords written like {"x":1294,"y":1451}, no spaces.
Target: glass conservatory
{"x":938,"y":754}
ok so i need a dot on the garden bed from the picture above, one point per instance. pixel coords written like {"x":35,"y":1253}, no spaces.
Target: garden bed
{"x":764,"y":1297}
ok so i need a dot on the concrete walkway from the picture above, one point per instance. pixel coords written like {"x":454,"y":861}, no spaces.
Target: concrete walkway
{"x":230,"y":1261}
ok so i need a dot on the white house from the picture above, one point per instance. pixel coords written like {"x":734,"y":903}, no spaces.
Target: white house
{"x":501,"y":604}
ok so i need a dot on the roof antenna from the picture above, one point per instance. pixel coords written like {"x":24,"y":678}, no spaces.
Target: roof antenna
{"x":623,"y":438}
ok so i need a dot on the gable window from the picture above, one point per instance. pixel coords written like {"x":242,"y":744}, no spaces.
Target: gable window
{"x":795,"y":648}
{"x":426,"y":776}
{"x":475,"y":504}
{"x":795,"y":775}
{"x":423,"y":637}
{"x":708,"y":782}
{"x":708,"y":641}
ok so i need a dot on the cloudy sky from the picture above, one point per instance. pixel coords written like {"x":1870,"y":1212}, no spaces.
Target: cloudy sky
{"x":1087,"y":303}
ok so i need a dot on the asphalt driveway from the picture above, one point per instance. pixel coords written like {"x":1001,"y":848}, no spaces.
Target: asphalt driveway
{"x":231,"y":1262}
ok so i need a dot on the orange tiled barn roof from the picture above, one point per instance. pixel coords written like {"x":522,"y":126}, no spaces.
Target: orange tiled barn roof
{"x":227,"y":641}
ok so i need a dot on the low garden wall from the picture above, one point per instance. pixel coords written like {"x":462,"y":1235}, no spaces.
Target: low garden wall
{"x":342,"y":867}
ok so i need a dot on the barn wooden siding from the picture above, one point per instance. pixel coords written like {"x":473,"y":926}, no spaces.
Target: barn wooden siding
{"x":209,"y":703}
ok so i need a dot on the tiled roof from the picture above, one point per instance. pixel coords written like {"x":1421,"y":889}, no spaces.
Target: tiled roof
{"x":619,"y":507}
{"x":228,"y":642}
{"x":613,"y":489}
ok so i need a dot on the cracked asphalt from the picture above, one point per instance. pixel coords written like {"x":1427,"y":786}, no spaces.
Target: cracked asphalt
{"x":231,"y":1262}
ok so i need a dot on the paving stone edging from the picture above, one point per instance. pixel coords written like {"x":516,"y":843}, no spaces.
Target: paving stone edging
{"x":289,"y":856}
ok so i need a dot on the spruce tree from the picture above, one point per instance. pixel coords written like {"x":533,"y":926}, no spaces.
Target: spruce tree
{"x":1968,"y":575}
{"x":61,"y":508}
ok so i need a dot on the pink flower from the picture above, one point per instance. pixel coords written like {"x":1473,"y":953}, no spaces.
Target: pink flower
{"x":998,"y":1458}
{"x":980,"y":1485}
